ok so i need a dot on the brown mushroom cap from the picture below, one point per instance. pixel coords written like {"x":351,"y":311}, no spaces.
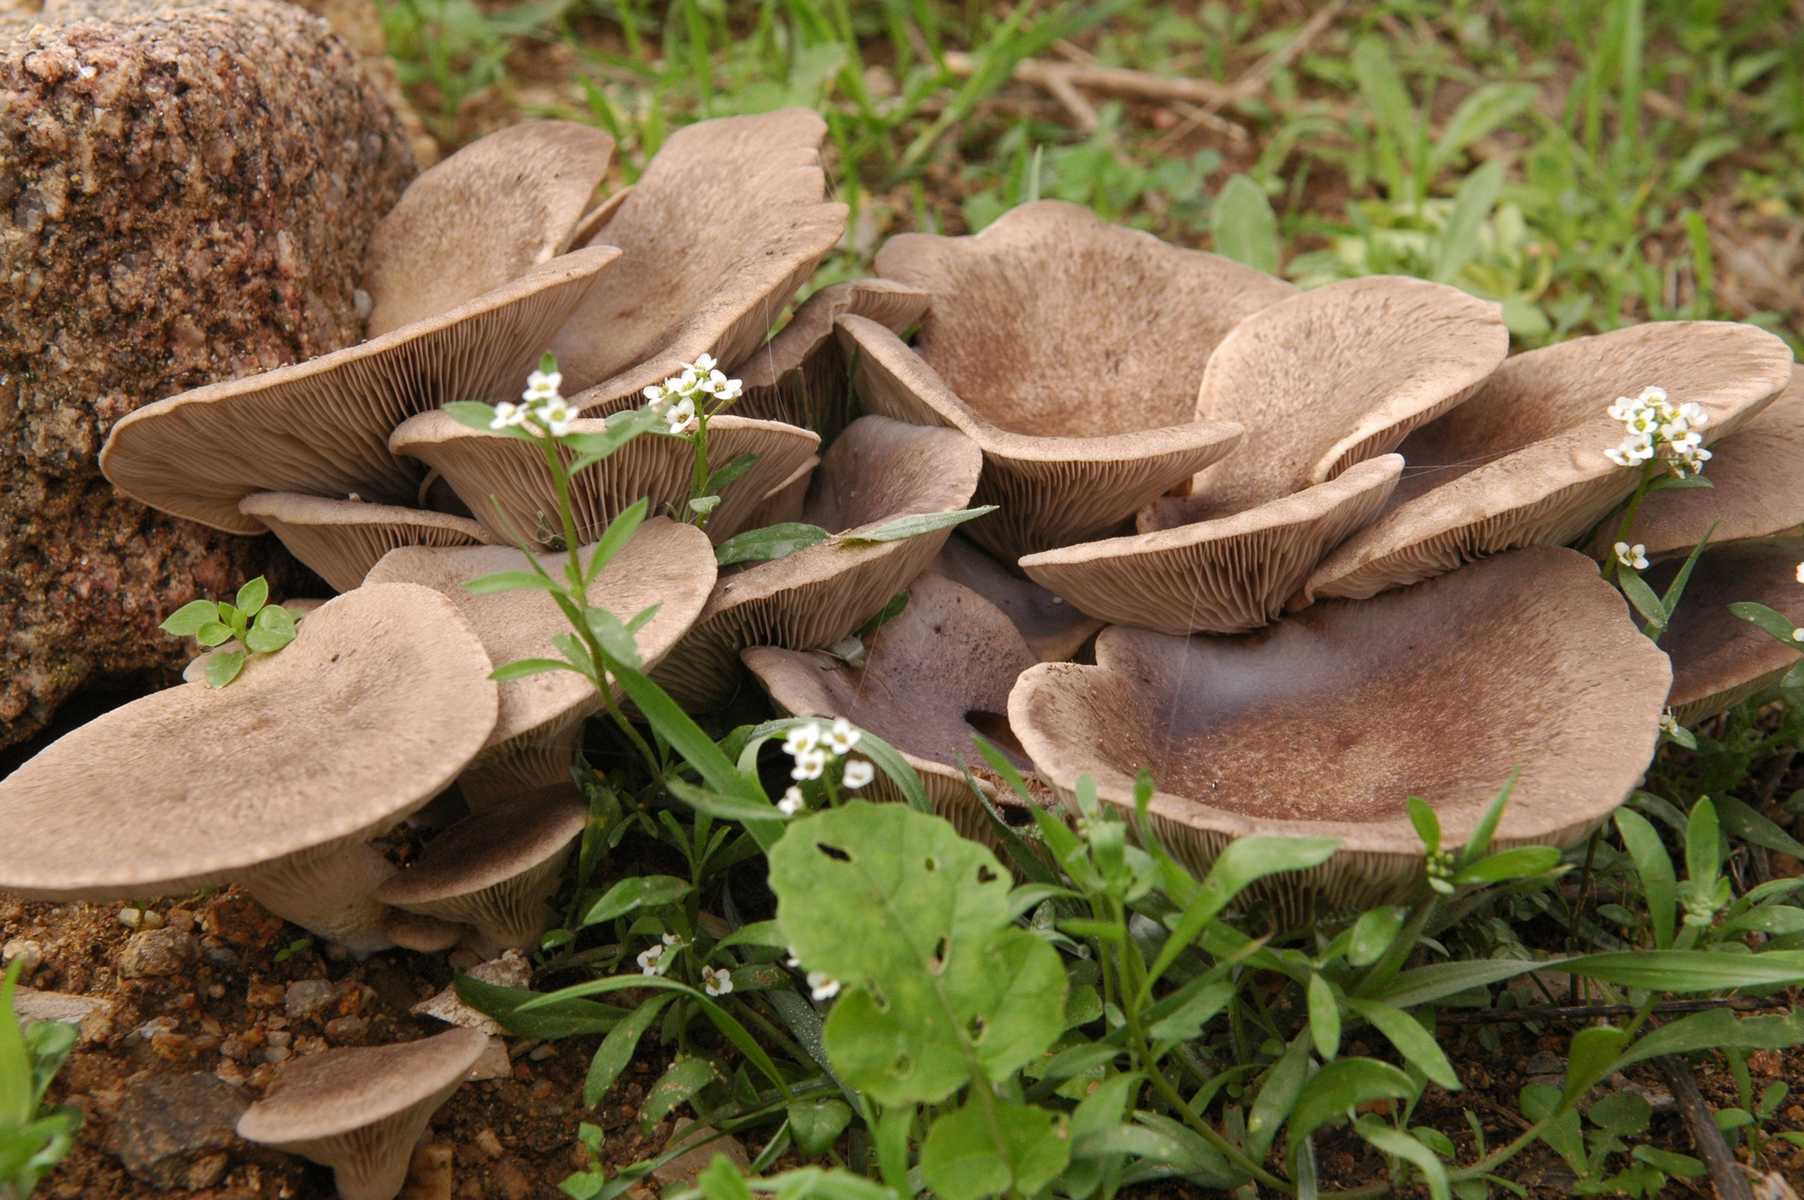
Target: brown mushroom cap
{"x":664,"y":563}
{"x":481,"y":465}
{"x":933,"y":677}
{"x":322,"y":426}
{"x":874,"y":472}
{"x":727,"y":221}
{"x":342,"y":539}
{"x":1051,"y":490}
{"x":1225,"y":575}
{"x":359,"y":1110}
{"x":783,"y":503}
{"x":487,"y":214}
{"x":1522,"y":462}
{"x":495,"y":869}
{"x":379,"y":702}
{"x":801,"y":376}
{"x":1324,"y":724}
{"x":1754,"y":490}
{"x":1054,"y":629}
{"x":1718,"y":659}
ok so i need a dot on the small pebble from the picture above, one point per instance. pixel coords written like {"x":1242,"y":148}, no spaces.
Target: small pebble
{"x":276,"y":1054}
{"x":541,"y":1054}
{"x":347,"y":1030}
{"x":307,"y":999}
{"x":156,"y":952}
{"x":488,"y":1143}
{"x":24,"y":949}
{"x":283,"y":1039}
{"x":216,"y":991}
{"x":180,"y":918}
{"x":131,"y":918}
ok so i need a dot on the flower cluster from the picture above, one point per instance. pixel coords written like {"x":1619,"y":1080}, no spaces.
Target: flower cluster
{"x":698,"y":383}
{"x":1657,"y":428}
{"x":813,"y":747}
{"x":821,"y":986}
{"x":658,"y":958}
{"x":541,"y":403}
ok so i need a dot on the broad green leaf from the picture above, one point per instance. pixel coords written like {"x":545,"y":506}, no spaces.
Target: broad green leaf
{"x":898,"y":529}
{"x":1393,"y":1141}
{"x":817,"y":1124}
{"x":1522,"y":862}
{"x":721,"y":1179}
{"x":252,"y":597}
{"x":1718,"y":1029}
{"x":639,"y":891}
{"x":223,"y":666}
{"x":684,"y":1078}
{"x":619,"y":429}
{"x":1324,"y":1017}
{"x":1159,"y":1140}
{"x":1703,"y":842}
{"x":1539,"y":1102}
{"x":1654,"y":866}
{"x":892,"y":1148}
{"x":188,"y":620}
{"x":615,"y":638}
{"x":568,"y":1018}
{"x":1691,"y":970}
{"x":509,"y":581}
{"x":1339,"y":1087}
{"x":719,"y":480}
{"x":618,"y":533}
{"x":1773,"y":622}
{"x":987,"y":1149}
{"x":1424,"y":985}
{"x":1243,"y":225}
{"x":1458,"y":243}
{"x":616,"y":1050}
{"x":1101,"y":1111}
{"x":213,"y":633}
{"x":1413,"y":1040}
{"x":769,"y":543}
{"x":1181,"y":1016}
{"x":1427,"y":823}
{"x":1593,"y":1055}
{"x":1649,"y":605}
{"x":1373,"y":934}
{"x":1741,"y":820}
{"x":277,"y":620}
{"x":264,"y":641}
{"x":1278,"y":1095}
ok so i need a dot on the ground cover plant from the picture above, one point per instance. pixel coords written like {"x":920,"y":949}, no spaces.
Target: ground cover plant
{"x":882,"y":971}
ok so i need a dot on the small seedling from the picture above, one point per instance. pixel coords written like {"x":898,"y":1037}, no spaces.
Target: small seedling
{"x":255,"y":625}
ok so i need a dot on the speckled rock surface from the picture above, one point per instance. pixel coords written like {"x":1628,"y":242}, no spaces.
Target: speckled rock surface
{"x":186,"y":193}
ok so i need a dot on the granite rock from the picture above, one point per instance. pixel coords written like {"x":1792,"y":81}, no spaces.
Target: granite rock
{"x":187,"y":190}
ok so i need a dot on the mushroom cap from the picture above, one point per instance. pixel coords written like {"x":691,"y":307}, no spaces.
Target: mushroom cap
{"x":373,"y":709}
{"x":479,"y":465}
{"x":1051,"y":490}
{"x":1753,"y":490}
{"x":664,"y":563}
{"x":1053,"y":628}
{"x":801,"y":375}
{"x":321,"y":426}
{"x":487,"y":214}
{"x":874,"y":472}
{"x":337,"y":1092}
{"x":1718,"y":659}
{"x":934,"y":676}
{"x":1225,"y":575}
{"x":727,"y":221}
{"x":340,"y":540}
{"x":1522,"y":462}
{"x":490,"y":848}
{"x":1325,"y":723}
{"x":783,"y":503}
{"x":1337,"y":375}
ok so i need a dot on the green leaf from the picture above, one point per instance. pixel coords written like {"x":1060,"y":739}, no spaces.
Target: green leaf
{"x":616,"y":1050}
{"x":722,"y":1180}
{"x":1384,"y":93}
{"x":1413,"y":1040}
{"x":1539,"y":1102}
{"x":1180,"y":1017}
{"x":223,"y":666}
{"x":1593,"y":1055}
{"x":1373,"y":934}
{"x":1775,"y":623}
{"x":1479,"y":844}
{"x":1649,"y":605}
{"x":726,"y":808}
{"x":1097,"y":1114}
{"x":566,"y":1018}
{"x":1243,"y":225}
{"x":769,"y":543}
{"x":817,"y":1124}
{"x":275,"y":619}
{"x":1324,"y":1017}
{"x":1488,"y":107}
{"x":214,"y":633}
{"x":1427,"y":824}
{"x":919,"y":916}
{"x":892,"y":1148}
{"x":638,"y":891}
{"x":1339,"y":1087}
{"x":520,"y":668}
{"x":1395,"y":1142}
{"x":1459,"y":241}
{"x":1654,"y":866}
{"x":684,"y":1078}
{"x":16,"y":1099}
{"x":1424,"y":985}
{"x":1718,"y":1029}
{"x":1277,"y":1096}
{"x":190,"y":618}
{"x":986,"y":1149}
{"x":1703,"y":843}
{"x":264,"y":641}
{"x":723,"y":478}
{"x":616,"y":639}
{"x":1522,"y":862}
{"x":471,"y":414}
{"x":1691,"y":970}
{"x":620,"y":428}
{"x":899,"y":529}
{"x":252,"y":597}
{"x":619,"y":532}
{"x":509,"y":581}
{"x":1741,"y":820}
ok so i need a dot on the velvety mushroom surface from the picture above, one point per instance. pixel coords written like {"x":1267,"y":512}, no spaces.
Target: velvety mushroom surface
{"x":342,"y":539}
{"x":1718,"y":659}
{"x":1327,"y":722}
{"x":876,"y":471}
{"x":933,"y":677}
{"x":1522,"y":462}
{"x":1054,"y":628}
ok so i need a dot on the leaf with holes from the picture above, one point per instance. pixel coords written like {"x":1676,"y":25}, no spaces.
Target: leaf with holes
{"x":913,"y":920}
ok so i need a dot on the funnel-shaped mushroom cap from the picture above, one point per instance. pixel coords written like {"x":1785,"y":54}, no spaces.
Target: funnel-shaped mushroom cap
{"x":359,"y":1110}
{"x":1522,"y":462}
{"x":1054,"y":629}
{"x":1324,"y":724}
{"x":783,"y":503}
{"x":934,"y":677}
{"x":372,"y":710}
{"x":876,"y":471}
{"x":1754,"y":490}
{"x":342,"y":539}
{"x":1338,"y":375}
{"x":495,"y":869}
{"x":1051,"y":489}
{"x":1718,"y":659}
{"x":801,"y":376}
{"x":321,"y":427}
{"x":664,"y":563}
{"x":1224,"y":575}
{"x":489,"y":213}
{"x":727,"y":222}
{"x":486,"y":468}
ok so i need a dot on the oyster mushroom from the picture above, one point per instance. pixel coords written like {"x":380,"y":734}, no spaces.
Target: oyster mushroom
{"x":533,"y":739}
{"x":1718,"y":659}
{"x":1522,"y":462}
{"x":1054,"y":628}
{"x":1070,"y":351}
{"x":340,"y":540}
{"x":1324,"y":724}
{"x":496,"y":869}
{"x":360,"y":1110}
{"x":876,"y":471}
{"x":933,"y":677}
{"x":275,"y":782}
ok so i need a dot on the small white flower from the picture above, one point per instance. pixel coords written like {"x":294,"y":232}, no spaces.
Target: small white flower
{"x":801,"y":738}
{"x":1633,"y":557}
{"x":716,"y":981}
{"x":687,"y":381}
{"x":729,"y":390}
{"x":555,"y":416}
{"x":671,"y":939}
{"x":507,"y":414}
{"x":545,"y":383}
{"x":680,"y":417}
{"x":792,"y":962}
{"x":651,"y":961}
{"x":822,"y":986}
{"x":792,"y":802}
{"x":842,"y":737}
{"x":810,"y":764}
{"x":1669,"y":724}
{"x":858,"y":773}
{"x":1801,"y":572}
{"x":653,"y":395}
{"x":1797,"y":635}
{"x":703,"y":362}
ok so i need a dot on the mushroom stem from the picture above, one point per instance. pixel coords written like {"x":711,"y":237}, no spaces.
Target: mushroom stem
{"x":365,"y":1162}
{"x":330,"y":891}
